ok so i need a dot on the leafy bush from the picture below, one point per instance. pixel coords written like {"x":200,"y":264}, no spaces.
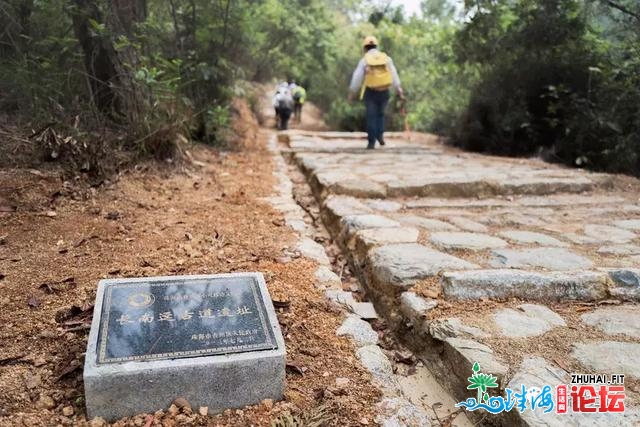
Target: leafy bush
{"x":552,"y":82}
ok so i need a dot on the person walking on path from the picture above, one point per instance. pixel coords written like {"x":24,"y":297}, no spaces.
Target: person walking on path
{"x":299,"y":96}
{"x":373,"y":77}
{"x":283,"y":105}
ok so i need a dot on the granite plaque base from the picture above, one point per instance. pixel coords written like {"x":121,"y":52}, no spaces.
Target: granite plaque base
{"x":214,"y":340}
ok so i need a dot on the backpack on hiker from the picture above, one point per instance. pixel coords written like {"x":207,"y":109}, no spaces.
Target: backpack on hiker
{"x":377,"y":72}
{"x":299,"y":94}
{"x":283,"y":99}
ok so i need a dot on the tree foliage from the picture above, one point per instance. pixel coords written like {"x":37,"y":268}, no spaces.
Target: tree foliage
{"x":514,"y":77}
{"x":149,"y":67}
{"x":559,"y":76}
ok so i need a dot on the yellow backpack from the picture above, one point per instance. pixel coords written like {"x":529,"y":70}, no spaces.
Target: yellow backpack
{"x":377,"y":73}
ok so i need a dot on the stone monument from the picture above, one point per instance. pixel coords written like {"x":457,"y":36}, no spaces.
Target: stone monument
{"x":213,"y":340}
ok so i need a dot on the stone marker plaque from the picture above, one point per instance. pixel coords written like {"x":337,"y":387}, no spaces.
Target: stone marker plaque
{"x":182,"y":318}
{"x":214,"y":340}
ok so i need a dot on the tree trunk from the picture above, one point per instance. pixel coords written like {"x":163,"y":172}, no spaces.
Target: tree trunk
{"x":110,"y":72}
{"x":128,"y":13}
{"x":99,"y":55}
{"x":122,"y":20}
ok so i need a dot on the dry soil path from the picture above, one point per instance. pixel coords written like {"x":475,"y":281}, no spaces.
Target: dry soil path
{"x":212,"y":214}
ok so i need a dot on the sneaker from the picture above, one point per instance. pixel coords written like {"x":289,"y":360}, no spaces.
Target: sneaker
{"x":370,"y":147}
{"x":381,"y":141}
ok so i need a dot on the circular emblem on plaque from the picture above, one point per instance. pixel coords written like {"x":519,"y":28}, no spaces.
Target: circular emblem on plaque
{"x":141,"y":299}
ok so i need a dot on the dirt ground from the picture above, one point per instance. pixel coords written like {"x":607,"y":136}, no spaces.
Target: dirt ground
{"x":200,"y":217}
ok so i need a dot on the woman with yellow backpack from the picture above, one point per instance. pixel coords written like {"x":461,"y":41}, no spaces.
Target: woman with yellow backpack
{"x":373,"y":77}
{"x":299,"y":96}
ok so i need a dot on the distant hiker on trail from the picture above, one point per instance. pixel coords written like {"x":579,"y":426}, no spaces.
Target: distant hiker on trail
{"x":283,"y":105}
{"x":373,"y":77}
{"x":299,"y":96}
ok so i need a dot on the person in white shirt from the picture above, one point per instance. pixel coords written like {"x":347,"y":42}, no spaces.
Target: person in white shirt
{"x":283,"y":105}
{"x":373,"y":78}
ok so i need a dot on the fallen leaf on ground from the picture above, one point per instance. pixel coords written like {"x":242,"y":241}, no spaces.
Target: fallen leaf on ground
{"x":73,"y":365}
{"x":84,"y":240}
{"x":561,"y":364}
{"x":290,"y":367}
{"x":281,"y":304}
{"x":113,"y":216}
{"x":313,"y":352}
{"x":145,"y":263}
{"x":74,"y":312}
{"x":48,"y":288}
{"x":405,"y":357}
{"x":610,"y":302}
{"x":181,"y":403}
{"x":12,"y":360}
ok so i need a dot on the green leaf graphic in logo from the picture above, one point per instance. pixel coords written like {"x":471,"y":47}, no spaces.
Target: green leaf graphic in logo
{"x":481,"y":382}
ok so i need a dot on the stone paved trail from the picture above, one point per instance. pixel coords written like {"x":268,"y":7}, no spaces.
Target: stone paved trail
{"x":530,"y":269}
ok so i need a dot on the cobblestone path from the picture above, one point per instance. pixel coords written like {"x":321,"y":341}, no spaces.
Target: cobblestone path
{"x":530,"y":269}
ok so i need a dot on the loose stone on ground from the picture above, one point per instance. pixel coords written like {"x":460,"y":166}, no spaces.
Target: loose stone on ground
{"x":311,"y":249}
{"x":426,"y":223}
{"x":630,"y":224}
{"x":467,"y":352}
{"x":364,"y":310}
{"x":626,"y":283}
{"x":470,"y":241}
{"x":404,"y":264}
{"x":453,"y":328}
{"x":610,"y":357}
{"x":531,"y":320}
{"x":352,"y":223}
{"x":358,"y":330}
{"x":381,"y":236}
{"x":529,"y":237}
{"x":467,"y":224}
{"x":477,"y":284}
{"x":326,"y":278}
{"x":375,"y":361}
{"x":415,"y":307}
{"x":384,"y":205}
{"x":605,"y":233}
{"x":549,"y":258}
{"x":615,"y":320}
{"x":620,"y":250}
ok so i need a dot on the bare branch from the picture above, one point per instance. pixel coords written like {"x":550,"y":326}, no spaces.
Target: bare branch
{"x":623,"y":9}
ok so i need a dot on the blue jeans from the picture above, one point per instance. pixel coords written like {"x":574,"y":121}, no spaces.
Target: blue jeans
{"x":375,"y":103}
